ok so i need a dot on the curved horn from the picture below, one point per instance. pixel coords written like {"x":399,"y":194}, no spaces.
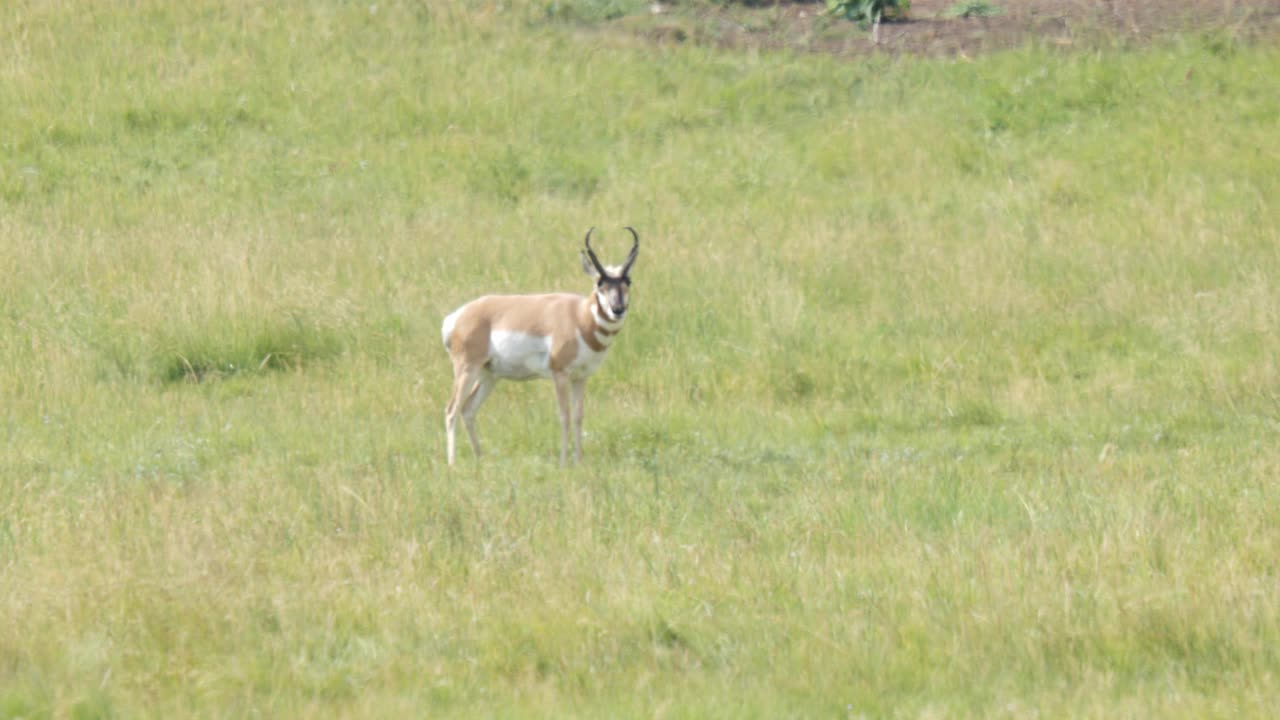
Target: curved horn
{"x":635,"y":250}
{"x":592,"y":254}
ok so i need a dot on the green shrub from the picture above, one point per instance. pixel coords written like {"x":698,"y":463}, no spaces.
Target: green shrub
{"x":869,"y":12}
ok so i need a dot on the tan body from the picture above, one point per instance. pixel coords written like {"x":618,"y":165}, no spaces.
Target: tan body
{"x":560,"y":336}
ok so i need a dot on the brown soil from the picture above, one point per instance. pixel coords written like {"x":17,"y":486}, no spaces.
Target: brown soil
{"x":804,"y":26}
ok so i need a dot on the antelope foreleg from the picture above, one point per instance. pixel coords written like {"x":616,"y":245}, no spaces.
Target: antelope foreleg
{"x":578,"y":393}
{"x":562,"y":400}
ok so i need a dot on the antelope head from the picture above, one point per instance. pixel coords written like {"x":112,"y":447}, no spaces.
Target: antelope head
{"x":613,"y":282}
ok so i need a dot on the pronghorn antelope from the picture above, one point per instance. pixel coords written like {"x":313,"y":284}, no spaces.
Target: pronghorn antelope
{"x":561,"y":336}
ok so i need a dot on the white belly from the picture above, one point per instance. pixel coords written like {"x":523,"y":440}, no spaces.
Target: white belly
{"x":519,"y":356}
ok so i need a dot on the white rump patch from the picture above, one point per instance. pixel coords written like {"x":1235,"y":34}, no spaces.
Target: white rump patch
{"x":447,"y":328}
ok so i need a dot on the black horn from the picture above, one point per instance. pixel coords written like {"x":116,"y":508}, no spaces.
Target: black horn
{"x":592,"y":254}
{"x":635,"y":250}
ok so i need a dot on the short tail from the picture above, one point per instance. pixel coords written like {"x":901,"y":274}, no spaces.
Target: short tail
{"x":447,"y":328}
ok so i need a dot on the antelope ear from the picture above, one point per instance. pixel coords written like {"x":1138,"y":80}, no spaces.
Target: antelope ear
{"x":587,"y":266}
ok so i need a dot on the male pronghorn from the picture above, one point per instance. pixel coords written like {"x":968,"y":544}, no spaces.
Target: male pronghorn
{"x":561,"y":336}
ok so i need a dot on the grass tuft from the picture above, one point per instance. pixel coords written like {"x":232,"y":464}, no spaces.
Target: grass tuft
{"x":972,"y":9}
{"x":240,"y":345}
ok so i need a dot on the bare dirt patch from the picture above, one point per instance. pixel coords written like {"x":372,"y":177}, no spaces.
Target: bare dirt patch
{"x":929,"y":30}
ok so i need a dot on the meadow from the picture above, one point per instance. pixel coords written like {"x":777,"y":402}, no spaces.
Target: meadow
{"x":951,"y":386}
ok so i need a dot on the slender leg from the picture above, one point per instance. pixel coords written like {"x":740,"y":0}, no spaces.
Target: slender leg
{"x":578,"y":393}
{"x":562,"y":399}
{"x":465,"y":385}
{"x":484,"y":385}
{"x":451,"y":418}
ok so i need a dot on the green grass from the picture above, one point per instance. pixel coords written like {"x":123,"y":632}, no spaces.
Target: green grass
{"x":951,"y":388}
{"x":972,"y":8}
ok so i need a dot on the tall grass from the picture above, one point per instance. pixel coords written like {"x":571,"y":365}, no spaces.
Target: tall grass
{"x":951,"y":387}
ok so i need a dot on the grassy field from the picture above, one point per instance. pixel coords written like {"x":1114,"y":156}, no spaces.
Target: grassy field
{"x":952,"y":388}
